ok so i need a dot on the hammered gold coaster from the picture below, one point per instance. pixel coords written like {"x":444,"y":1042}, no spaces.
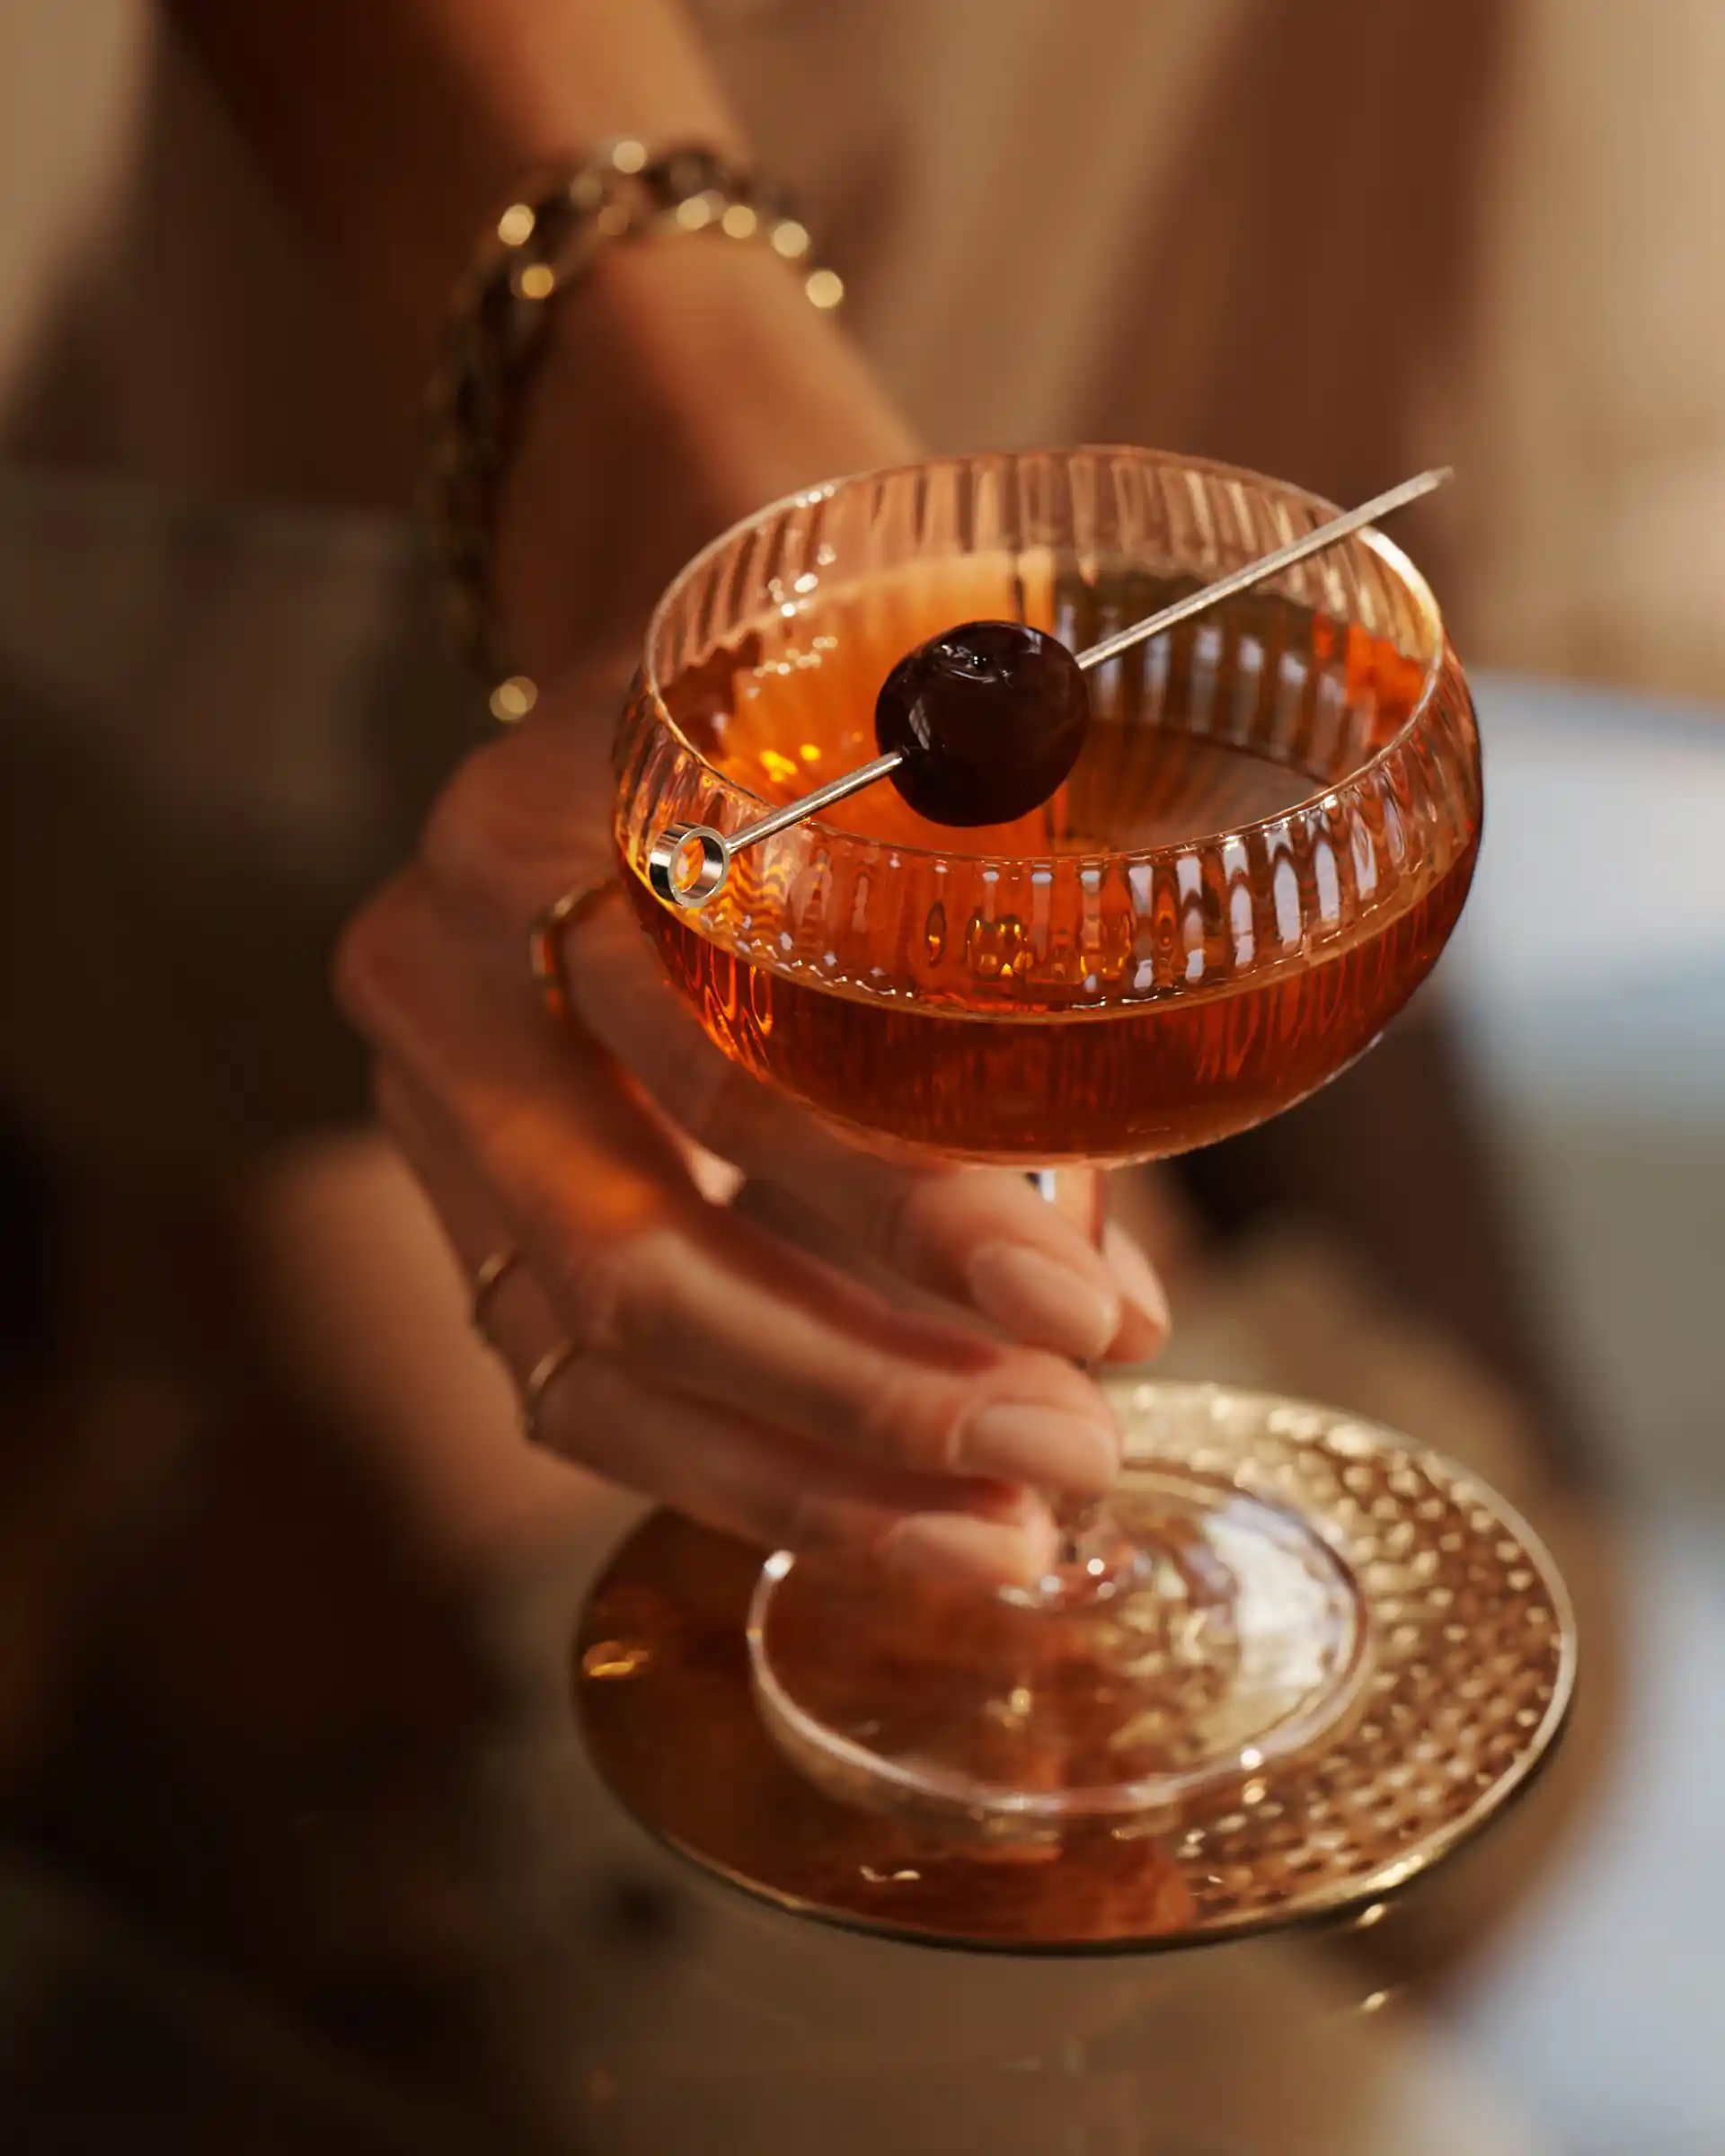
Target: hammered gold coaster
{"x":1471,"y":1649}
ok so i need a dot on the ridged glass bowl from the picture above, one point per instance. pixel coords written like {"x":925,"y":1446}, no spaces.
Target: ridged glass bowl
{"x":1263,"y":849}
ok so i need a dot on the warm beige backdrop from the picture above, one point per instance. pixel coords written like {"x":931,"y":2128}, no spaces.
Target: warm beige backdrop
{"x":1333,"y":237}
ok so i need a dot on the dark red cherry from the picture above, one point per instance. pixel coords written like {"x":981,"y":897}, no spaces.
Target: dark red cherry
{"x":989,"y":718}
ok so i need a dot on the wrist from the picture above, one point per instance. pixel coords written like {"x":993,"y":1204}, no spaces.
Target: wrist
{"x":683,"y":386}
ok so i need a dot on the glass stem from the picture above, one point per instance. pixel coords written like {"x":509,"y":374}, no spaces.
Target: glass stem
{"x":1095,"y":1560}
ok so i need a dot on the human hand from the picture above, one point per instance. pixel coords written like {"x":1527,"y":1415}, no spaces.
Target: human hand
{"x":716,"y":1364}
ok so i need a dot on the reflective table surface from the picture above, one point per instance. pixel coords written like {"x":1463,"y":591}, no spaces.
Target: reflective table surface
{"x":417,"y":1922}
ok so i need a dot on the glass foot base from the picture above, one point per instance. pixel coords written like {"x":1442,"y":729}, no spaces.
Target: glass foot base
{"x":1463,"y":1648}
{"x":1236,"y":1637}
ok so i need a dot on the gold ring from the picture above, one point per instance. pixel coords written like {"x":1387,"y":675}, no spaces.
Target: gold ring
{"x":545,"y":1372}
{"x":487,"y":1280}
{"x":546,"y":937}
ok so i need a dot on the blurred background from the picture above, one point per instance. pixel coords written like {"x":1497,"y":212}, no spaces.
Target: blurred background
{"x":298,"y":1850}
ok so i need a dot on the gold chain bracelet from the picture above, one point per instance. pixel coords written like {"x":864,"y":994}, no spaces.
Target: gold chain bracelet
{"x":541,"y":246}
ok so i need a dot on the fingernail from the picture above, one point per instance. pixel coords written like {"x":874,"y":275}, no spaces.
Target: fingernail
{"x":957,"y":1545}
{"x":1147,"y":1319}
{"x":1041,"y":1302}
{"x":1046,"y":1447}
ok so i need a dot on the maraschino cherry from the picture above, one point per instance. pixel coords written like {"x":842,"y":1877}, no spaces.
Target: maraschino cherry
{"x":986,"y":720}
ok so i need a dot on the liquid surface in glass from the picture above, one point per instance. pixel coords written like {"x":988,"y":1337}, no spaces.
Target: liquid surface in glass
{"x":1040,"y":992}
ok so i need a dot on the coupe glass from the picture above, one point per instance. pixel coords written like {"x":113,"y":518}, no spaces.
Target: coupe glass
{"x":1262,"y":852}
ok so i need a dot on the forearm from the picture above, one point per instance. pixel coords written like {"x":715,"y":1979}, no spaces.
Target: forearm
{"x":395,"y":127}
{"x":690,"y":385}
{"x":685,"y":383}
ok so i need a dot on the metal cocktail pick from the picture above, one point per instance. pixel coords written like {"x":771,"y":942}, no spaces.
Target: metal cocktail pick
{"x":687,"y":863}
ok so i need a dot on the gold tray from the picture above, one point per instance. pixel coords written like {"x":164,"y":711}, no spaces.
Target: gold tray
{"x":1472,"y":1647}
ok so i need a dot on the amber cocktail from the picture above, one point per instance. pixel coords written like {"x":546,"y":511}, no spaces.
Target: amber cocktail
{"x":1263,"y":848}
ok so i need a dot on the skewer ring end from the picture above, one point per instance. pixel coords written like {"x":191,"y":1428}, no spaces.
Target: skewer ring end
{"x":687,"y":864}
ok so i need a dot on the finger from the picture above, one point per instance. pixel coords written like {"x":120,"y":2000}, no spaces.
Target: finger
{"x":643,"y":1270}
{"x":779,"y":1492}
{"x":774,"y":1207}
{"x":978,"y":1237}
{"x":726,"y":1470}
{"x":528,"y":818}
{"x":1141,"y":1291}
{"x":644,"y":1273}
